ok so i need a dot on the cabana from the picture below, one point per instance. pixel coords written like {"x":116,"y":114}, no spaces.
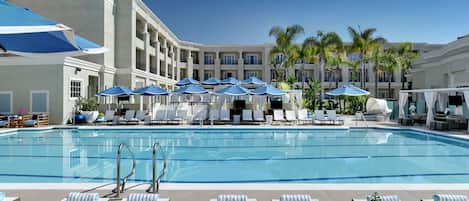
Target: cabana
{"x":149,"y":91}
{"x":230,"y":81}
{"x":441,"y":116}
{"x":186,"y":81}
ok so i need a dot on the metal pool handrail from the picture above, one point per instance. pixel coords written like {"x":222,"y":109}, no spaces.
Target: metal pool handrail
{"x":155,"y":182}
{"x":120,"y":188}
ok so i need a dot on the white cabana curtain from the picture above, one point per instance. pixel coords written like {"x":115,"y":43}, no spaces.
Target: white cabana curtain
{"x":402,"y":101}
{"x":466,"y":98}
{"x":442,"y":101}
{"x":430,"y":99}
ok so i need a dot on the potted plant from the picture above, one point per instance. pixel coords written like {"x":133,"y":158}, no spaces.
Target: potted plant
{"x":375,"y":197}
{"x":88,"y":108}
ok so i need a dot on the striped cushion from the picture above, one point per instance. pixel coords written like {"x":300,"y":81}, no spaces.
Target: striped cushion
{"x":232,"y":197}
{"x":449,"y":197}
{"x":29,"y":122}
{"x":295,"y":197}
{"x":384,"y":198}
{"x":75,"y":196}
{"x":143,"y":197}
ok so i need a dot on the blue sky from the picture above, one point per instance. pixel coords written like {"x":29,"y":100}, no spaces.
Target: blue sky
{"x":249,"y":21}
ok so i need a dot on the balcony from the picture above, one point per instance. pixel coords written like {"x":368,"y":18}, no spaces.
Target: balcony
{"x":259,"y":62}
{"x":209,"y":62}
{"x":229,"y":62}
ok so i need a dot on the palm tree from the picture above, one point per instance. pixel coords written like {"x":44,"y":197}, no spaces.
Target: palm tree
{"x":406,"y":55}
{"x":335,"y":59}
{"x":390,"y":63}
{"x":284,"y":39}
{"x":323,"y":42}
{"x":363,"y":42}
{"x":307,"y":54}
{"x":377,"y":57}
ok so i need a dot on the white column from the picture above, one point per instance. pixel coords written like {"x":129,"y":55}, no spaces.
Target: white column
{"x":217,"y":66}
{"x":189,"y":64}
{"x":240,"y":66}
{"x":157,"y":53}
{"x":146,"y":46}
{"x":178,"y":60}
{"x":166,"y":59}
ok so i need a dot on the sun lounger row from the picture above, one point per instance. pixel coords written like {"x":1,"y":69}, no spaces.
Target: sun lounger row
{"x":25,"y":120}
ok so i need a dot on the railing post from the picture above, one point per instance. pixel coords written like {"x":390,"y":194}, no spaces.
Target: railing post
{"x":118,"y":174}
{"x":153,"y":186}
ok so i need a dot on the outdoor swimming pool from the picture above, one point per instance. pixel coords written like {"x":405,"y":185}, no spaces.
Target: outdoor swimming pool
{"x":214,"y":155}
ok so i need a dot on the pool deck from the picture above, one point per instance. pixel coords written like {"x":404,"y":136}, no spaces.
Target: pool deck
{"x":262,"y":192}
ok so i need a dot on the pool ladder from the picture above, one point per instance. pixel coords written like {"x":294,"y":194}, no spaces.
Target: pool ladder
{"x":155,"y":181}
{"x":120,"y":187}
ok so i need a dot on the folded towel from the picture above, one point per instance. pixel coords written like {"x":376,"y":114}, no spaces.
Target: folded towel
{"x":449,"y":197}
{"x":385,"y":198}
{"x":295,"y":197}
{"x":143,"y":197}
{"x":232,"y":197}
{"x":75,"y":196}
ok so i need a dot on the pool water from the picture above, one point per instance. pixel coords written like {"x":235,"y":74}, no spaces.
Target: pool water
{"x":212,"y":155}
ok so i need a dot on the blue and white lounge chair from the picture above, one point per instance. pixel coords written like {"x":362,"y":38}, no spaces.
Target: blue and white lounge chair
{"x":232,"y":197}
{"x":3,"y":123}
{"x":3,"y":198}
{"x":382,"y":197}
{"x":295,"y":197}
{"x":77,"y":196}
{"x":145,"y":197}
{"x":447,"y":197}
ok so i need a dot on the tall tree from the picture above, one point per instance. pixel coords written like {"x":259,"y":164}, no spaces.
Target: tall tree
{"x":335,"y":59}
{"x":391,"y":63}
{"x":284,"y":43}
{"x":306,"y":54}
{"x":377,"y":57}
{"x":363,"y":42}
{"x":406,"y":55}
{"x":323,"y":42}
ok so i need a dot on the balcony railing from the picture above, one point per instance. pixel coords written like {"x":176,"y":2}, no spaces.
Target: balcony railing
{"x":259,"y":62}
{"x":209,"y":62}
{"x":229,"y":62}
{"x":140,"y":35}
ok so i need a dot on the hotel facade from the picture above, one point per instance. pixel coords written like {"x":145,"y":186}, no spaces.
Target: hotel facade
{"x":141,"y":51}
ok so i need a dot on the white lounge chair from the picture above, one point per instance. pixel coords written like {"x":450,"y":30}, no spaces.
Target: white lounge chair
{"x":320,"y":117}
{"x":225,"y":115}
{"x":213,"y":116}
{"x":200,"y":114}
{"x":232,"y":197}
{"x":247,"y":115}
{"x":303,"y":116}
{"x":279,"y":115}
{"x":382,"y":197}
{"x":76,"y":196}
{"x":259,"y":115}
{"x":109,"y":115}
{"x":291,"y":116}
{"x":181,"y":115}
{"x":332,"y":116}
{"x":129,"y":117}
{"x":295,"y":197}
{"x":140,"y":115}
{"x":160,"y":115}
{"x":447,"y":197}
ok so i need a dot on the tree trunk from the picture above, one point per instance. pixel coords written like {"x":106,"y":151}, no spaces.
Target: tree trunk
{"x":376,"y":81}
{"x":302,"y":79}
{"x":389,"y":89}
{"x":402,"y":79}
{"x":321,"y":78}
{"x":337,"y":76}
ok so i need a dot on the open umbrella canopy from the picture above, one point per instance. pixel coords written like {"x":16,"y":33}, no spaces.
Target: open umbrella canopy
{"x":211,"y":81}
{"x":186,"y":81}
{"x":233,"y":90}
{"x":347,"y":90}
{"x":253,"y":80}
{"x":151,"y":90}
{"x":268,"y":90}
{"x":116,"y":91}
{"x":190,"y":89}
{"x":26,"y":33}
{"x":230,"y":81}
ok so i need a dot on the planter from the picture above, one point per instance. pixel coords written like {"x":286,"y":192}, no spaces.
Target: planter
{"x":90,"y":116}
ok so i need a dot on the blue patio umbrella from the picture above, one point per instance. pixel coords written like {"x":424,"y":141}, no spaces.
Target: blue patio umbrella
{"x":347,"y":90}
{"x":190,"y":89}
{"x":116,"y":91}
{"x":233,"y":90}
{"x":151,"y":90}
{"x":253,"y":80}
{"x":268,"y":90}
{"x":230,"y":81}
{"x":211,"y":81}
{"x":26,"y":33}
{"x":187,"y":81}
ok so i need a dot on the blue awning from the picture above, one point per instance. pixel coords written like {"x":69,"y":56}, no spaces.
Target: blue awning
{"x":186,"y":81}
{"x":116,"y":91}
{"x":151,"y":90}
{"x":230,"y":81}
{"x":268,"y":90}
{"x":347,"y":90}
{"x":211,"y":81}
{"x":233,"y":90}
{"x":190,"y":89}
{"x":254,"y":81}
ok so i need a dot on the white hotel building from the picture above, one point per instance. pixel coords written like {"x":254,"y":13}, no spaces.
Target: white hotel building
{"x":142,"y":51}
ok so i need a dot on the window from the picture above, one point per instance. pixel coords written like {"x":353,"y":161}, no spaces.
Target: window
{"x":248,"y":74}
{"x":251,"y":59}
{"x":208,"y":74}
{"x":229,"y":59}
{"x":279,"y":58}
{"x":385,"y":76}
{"x":6,"y":102}
{"x":356,"y":76}
{"x":39,"y":101}
{"x":75,"y":88}
{"x":208,"y":59}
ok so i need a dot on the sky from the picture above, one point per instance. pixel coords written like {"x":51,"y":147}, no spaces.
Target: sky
{"x":249,"y":21}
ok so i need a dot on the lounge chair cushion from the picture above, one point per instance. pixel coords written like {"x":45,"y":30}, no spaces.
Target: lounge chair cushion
{"x":76,"y":196}
{"x":30,"y":122}
{"x":143,"y":197}
{"x":385,"y":198}
{"x":3,"y":123}
{"x":295,"y":197}
{"x":449,"y":197}
{"x":232,"y":197}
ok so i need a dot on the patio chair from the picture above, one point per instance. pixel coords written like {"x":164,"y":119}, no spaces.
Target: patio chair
{"x":180,"y":116}
{"x":447,"y":197}
{"x":140,"y":115}
{"x":319,"y":117}
{"x":129,"y":117}
{"x":279,"y":115}
{"x":232,"y":197}
{"x":259,"y":115}
{"x":291,"y":116}
{"x":225,"y":115}
{"x":200,"y":114}
{"x":332,"y":116}
{"x":109,"y":116}
{"x":295,"y":197}
{"x":35,"y":120}
{"x":382,"y":197}
{"x":303,"y":116}
{"x":213,"y":116}
{"x":160,"y":115}
{"x":247,"y":115}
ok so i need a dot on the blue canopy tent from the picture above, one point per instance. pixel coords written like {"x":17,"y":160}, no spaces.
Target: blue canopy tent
{"x":149,"y":91}
{"x":187,"y":81}
{"x":347,"y":90}
{"x":25,"y":33}
{"x":230,"y":81}
{"x":211,"y":81}
{"x":116,"y":91}
{"x":253,"y":81}
{"x":233,"y":90}
{"x":268,"y":90}
{"x":190,"y":89}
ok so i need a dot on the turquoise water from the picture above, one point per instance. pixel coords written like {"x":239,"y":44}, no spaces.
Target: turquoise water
{"x":237,"y":155}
